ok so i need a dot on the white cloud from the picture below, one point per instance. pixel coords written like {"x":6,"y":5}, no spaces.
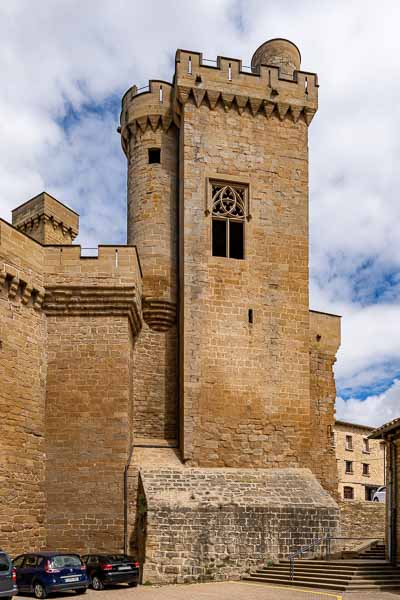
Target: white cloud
{"x":374,"y":410}
{"x":73,"y":55}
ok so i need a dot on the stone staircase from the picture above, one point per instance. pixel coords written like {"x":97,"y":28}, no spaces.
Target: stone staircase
{"x":375,"y":552}
{"x":343,"y":575}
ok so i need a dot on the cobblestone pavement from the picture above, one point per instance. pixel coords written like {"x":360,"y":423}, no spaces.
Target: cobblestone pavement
{"x":223,"y":591}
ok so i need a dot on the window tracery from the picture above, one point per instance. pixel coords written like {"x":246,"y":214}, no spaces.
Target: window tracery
{"x":228,"y":201}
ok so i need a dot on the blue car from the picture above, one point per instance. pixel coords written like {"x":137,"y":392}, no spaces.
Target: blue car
{"x":8,"y":587}
{"x":46,"y":572}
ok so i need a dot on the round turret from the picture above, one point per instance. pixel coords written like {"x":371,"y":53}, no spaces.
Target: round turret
{"x":279,"y":53}
{"x":150,"y":141}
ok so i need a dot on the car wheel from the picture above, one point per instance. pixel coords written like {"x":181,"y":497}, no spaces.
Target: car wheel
{"x":97,"y":584}
{"x":80,"y":591}
{"x":39,"y":590}
{"x":132,"y":584}
{"x":376,"y":499}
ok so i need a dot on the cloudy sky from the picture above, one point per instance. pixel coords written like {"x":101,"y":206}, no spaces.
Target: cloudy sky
{"x":66,"y":63}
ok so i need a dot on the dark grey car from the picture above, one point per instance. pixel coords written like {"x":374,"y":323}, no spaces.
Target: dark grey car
{"x":8,"y":581}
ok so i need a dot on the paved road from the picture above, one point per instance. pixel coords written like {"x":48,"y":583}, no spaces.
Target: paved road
{"x":222,"y":591}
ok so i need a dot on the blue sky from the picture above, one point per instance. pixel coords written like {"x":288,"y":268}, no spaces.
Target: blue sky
{"x":66,"y":64}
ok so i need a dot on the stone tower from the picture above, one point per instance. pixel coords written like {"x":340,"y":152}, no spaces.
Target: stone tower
{"x":152,"y":151}
{"x":237,"y":140}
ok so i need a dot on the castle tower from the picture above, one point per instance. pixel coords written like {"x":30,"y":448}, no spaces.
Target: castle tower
{"x":150,"y":142}
{"x":244,"y":368}
{"x":245,"y":372}
{"x":46,"y":220}
{"x":218,"y":201}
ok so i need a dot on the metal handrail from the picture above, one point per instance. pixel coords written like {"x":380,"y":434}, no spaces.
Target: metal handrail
{"x":327,"y":539}
{"x":305,"y":549}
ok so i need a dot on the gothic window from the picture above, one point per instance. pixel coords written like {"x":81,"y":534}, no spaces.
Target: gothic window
{"x":228,"y":219}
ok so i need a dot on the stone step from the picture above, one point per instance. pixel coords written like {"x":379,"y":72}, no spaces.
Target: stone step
{"x":298,"y":582}
{"x":332,"y":574}
{"x":338,"y":563}
{"x":333,"y":568}
{"x":334,"y":584}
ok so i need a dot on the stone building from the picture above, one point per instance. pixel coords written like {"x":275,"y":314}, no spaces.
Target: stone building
{"x":360,"y":461}
{"x":389,"y":433}
{"x":175,"y":396}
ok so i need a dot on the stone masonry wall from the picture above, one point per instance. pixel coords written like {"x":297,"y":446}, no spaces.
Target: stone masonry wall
{"x":154,"y":378}
{"x":87,"y":431}
{"x":22,"y":394}
{"x":209,"y":524}
{"x":93,"y":309}
{"x":361,"y":520}
{"x":234,"y":412}
{"x":324,"y":343}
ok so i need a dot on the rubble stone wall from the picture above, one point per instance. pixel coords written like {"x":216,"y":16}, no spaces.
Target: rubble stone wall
{"x":209,"y":524}
{"x":362,"y":519}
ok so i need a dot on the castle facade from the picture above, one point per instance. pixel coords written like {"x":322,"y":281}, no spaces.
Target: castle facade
{"x":175,"y":396}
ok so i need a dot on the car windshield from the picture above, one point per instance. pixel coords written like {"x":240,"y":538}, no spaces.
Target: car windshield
{"x":65,"y":560}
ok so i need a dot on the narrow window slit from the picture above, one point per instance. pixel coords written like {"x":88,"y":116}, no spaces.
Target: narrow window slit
{"x":230,"y":72}
{"x":190,"y":65}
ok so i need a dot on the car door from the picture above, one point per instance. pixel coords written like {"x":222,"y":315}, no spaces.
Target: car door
{"x":28,"y":571}
{"x":91,"y":565}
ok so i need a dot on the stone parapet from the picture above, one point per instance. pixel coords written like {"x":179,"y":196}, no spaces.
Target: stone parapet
{"x":264,"y":91}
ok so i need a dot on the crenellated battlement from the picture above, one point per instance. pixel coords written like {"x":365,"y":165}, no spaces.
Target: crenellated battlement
{"x":148,"y":107}
{"x":264,"y":88}
{"x":114,"y":264}
{"x":270,"y":89}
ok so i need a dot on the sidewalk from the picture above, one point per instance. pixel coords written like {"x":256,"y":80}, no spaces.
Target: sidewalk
{"x":225,"y":591}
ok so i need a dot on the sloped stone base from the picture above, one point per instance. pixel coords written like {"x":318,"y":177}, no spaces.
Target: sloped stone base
{"x":215,"y":524}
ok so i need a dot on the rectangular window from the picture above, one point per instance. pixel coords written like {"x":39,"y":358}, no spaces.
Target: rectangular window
{"x":228,"y":238}
{"x":348,"y":493}
{"x":365,"y":445}
{"x":349,"y":442}
{"x":236,"y":239}
{"x":219,"y":237}
{"x":349,"y":466}
{"x":365,"y":469}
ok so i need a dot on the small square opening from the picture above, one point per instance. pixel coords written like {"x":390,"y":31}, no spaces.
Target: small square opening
{"x":154,"y":156}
